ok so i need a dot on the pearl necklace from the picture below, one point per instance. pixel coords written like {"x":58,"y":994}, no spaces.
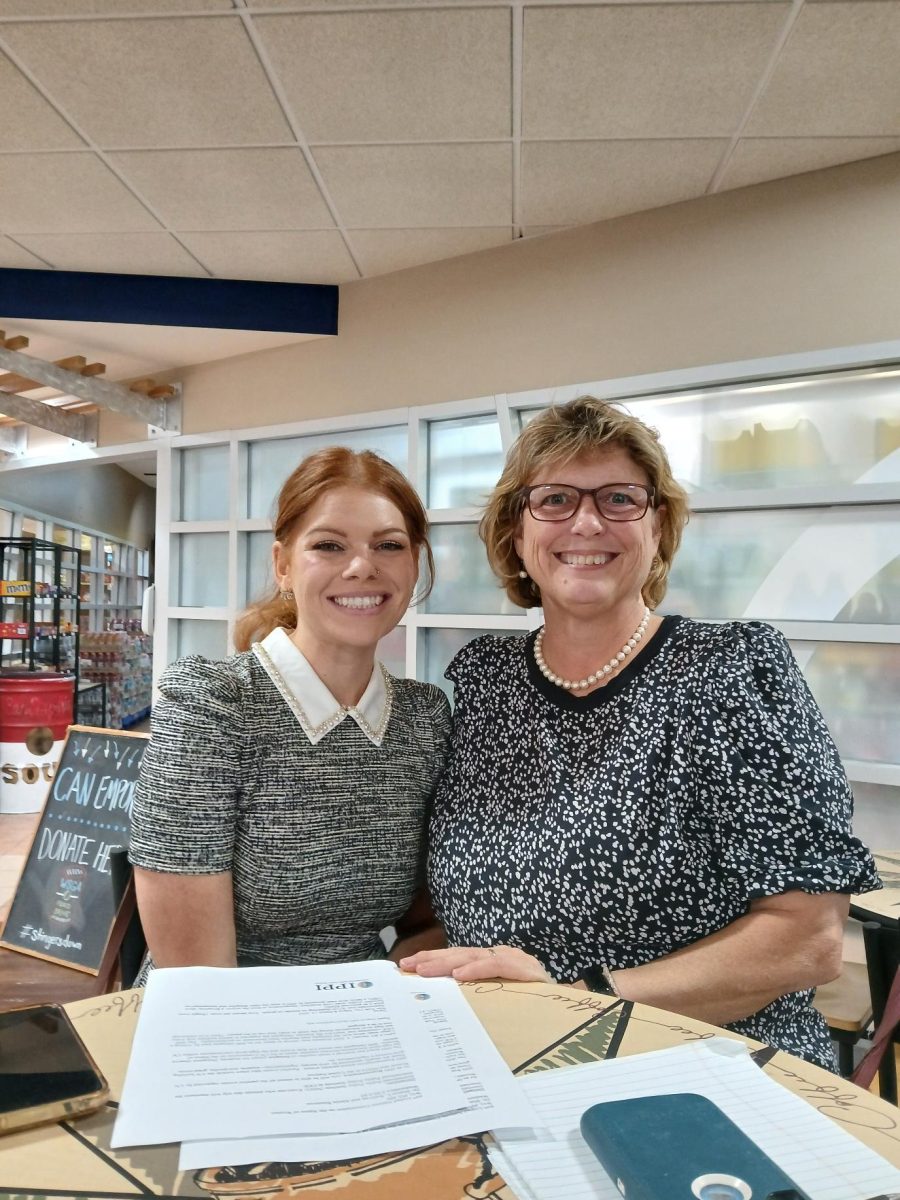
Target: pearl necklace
{"x":614,"y":663}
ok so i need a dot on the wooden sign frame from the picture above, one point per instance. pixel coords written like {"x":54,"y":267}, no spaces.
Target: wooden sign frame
{"x":61,"y":831}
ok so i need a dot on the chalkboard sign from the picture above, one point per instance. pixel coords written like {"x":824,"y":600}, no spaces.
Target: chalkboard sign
{"x":66,"y":903}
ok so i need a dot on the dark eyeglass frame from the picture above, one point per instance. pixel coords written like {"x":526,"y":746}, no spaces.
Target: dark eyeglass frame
{"x":525,"y":495}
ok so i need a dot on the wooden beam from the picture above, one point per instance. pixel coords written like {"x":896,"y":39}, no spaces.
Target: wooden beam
{"x":149,"y":387}
{"x":75,"y":362}
{"x":96,"y":391}
{"x":33,"y":412}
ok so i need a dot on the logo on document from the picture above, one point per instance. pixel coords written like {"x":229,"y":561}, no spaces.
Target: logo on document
{"x":344,"y":985}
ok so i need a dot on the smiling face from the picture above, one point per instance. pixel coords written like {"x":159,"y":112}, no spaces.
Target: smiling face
{"x":587,"y":565}
{"x":352,"y":569}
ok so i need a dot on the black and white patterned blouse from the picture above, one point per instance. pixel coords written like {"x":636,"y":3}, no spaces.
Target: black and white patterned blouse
{"x":620,"y":826}
{"x":324,"y":832}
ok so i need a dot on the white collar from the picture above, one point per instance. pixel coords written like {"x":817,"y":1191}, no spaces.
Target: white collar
{"x":309,"y":699}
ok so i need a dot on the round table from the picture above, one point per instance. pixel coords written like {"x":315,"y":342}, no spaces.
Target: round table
{"x":535,"y":1026}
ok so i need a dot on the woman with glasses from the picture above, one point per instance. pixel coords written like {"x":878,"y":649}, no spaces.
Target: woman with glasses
{"x":649,"y":806}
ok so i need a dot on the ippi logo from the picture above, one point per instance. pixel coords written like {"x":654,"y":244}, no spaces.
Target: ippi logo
{"x":347,"y":983}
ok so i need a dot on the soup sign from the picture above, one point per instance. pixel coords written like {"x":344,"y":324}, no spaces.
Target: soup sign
{"x":65,"y":904}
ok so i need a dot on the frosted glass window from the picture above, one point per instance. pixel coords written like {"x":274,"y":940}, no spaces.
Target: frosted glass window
{"x":392,"y":652}
{"x":857,"y":686}
{"x":256,"y":576}
{"x":270,"y":462}
{"x":209,"y":638}
{"x":876,"y":816}
{"x":816,"y":430}
{"x":464,"y":582}
{"x":820,"y":430}
{"x":204,"y":484}
{"x":807,"y":564}
{"x":465,"y":458}
{"x":440,"y":647}
{"x":199,"y":570}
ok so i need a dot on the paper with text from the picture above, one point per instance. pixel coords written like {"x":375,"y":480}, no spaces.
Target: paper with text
{"x":817,"y":1154}
{"x":271,"y":1050}
{"x":493,"y":1096}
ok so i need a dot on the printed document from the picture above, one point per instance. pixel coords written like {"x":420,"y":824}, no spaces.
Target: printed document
{"x":493,"y":1096}
{"x":231,"y":1053}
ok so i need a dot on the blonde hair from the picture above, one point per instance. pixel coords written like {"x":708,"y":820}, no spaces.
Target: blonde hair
{"x":333,"y":467}
{"x":559,"y":435}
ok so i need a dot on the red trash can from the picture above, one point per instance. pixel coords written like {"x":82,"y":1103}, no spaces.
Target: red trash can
{"x":35,"y":711}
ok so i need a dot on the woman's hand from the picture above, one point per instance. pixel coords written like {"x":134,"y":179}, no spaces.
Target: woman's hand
{"x":467,"y":963}
{"x":417,"y":929}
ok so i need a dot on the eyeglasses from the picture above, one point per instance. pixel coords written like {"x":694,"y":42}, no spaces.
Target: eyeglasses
{"x":613,"y":501}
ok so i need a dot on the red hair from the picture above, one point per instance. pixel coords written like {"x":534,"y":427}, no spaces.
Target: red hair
{"x":333,"y":467}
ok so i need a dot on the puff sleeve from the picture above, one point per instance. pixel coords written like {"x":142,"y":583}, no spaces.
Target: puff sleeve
{"x":781,"y":800}
{"x":185,"y":806}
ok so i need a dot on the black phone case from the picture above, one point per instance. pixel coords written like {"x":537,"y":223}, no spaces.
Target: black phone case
{"x":663,"y":1147}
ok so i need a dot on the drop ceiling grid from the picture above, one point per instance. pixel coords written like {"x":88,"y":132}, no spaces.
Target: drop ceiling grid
{"x":296,"y":140}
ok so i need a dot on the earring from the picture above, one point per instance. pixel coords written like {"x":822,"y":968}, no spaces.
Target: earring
{"x":523,"y":574}
{"x":287,"y":595}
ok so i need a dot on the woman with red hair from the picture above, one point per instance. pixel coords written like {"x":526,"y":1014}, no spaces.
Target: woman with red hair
{"x":280,"y":812}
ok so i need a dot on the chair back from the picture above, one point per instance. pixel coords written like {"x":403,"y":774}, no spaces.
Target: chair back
{"x":882,"y":943}
{"x":132,"y":945}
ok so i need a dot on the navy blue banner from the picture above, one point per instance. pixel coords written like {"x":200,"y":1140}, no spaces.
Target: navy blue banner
{"x":169,"y":300}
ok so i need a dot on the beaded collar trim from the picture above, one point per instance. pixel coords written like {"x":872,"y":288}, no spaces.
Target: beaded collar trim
{"x":315,"y":732}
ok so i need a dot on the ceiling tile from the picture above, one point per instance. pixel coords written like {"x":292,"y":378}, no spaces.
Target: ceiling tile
{"x":485,"y":3}
{"x":12,"y":255}
{"x":309,"y":257}
{"x":29,"y":123}
{"x":88,"y":8}
{"x":758,"y":159}
{"x":837,"y":75}
{"x":572,"y":183}
{"x":395,"y":75}
{"x":144,"y":83}
{"x":66,"y":193}
{"x":228,"y":189}
{"x":392,"y":187}
{"x":381,"y":250}
{"x":685,"y":70}
{"x":125,"y":253}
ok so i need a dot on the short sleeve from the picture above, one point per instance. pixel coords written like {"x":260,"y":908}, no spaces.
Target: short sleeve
{"x":183,"y":818}
{"x":469,"y":673}
{"x":441,"y":722}
{"x":783,"y":807}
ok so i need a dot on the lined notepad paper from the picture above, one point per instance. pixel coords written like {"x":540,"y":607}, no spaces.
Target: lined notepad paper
{"x":555,"y":1161}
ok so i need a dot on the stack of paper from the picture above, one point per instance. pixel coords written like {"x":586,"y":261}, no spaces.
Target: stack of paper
{"x":554,"y":1161}
{"x":298,"y":1064}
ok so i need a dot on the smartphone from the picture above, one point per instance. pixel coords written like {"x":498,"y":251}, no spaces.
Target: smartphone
{"x":681,"y":1147}
{"x":46,"y":1072}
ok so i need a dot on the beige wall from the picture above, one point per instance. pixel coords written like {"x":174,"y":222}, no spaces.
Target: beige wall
{"x":95,"y":496}
{"x":799,"y":264}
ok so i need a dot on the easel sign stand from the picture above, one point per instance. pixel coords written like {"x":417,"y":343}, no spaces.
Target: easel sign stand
{"x":69,"y":906}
